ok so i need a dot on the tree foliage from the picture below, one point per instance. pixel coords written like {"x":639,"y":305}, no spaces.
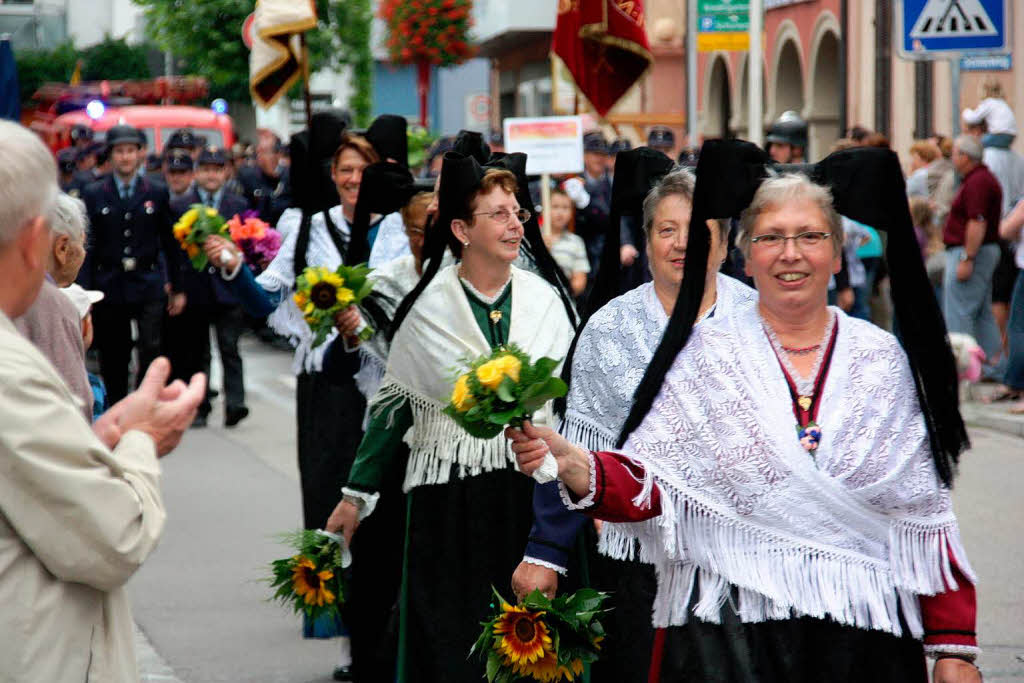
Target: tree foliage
{"x":208,"y":35}
{"x":108,"y":60}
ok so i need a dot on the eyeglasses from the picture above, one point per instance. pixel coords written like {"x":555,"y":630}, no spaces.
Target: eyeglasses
{"x":502,"y":216}
{"x":805,"y":240}
{"x":414,"y":231}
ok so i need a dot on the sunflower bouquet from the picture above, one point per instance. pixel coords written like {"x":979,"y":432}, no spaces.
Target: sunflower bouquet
{"x":192,"y":229}
{"x":504,"y":388}
{"x":257,"y":240}
{"x":321,"y":293}
{"x":541,"y":639}
{"x":310,"y":581}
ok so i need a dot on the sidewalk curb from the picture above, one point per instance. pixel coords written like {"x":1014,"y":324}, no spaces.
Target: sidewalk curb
{"x":152,"y":667}
{"x":1006,"y":424}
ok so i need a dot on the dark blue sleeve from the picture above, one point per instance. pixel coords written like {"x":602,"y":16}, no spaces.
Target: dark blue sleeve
{"x":554,"y":527}
{"x":256,"y":301}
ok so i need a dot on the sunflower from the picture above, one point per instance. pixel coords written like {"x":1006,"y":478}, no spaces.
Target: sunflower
{"x":301,"y":299}
{"x":309,"y":584}
{"x":524,"y":638}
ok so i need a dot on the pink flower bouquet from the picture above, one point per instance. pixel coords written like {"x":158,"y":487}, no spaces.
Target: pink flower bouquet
{"x":257,"y":240}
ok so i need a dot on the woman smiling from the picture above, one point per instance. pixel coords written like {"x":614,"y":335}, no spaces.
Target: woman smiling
{"x":781,"y":474}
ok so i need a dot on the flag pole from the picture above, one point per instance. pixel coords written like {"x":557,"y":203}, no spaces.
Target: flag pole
{"x":305,"y":82}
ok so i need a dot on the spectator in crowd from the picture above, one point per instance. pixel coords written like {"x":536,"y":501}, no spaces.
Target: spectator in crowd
{"x":662,"y":139}
{"x":592,"y":221}
{"x":1012,"y":228}
{"x":82,"y":300}
{"x":922,"y":154}
{"x":52,"y":324}
{"x":81,"y":506}
{"x":566,"y":247}
{"x":995,"y":114}
{"x":858,"y":134}
{"x":971,"y":237}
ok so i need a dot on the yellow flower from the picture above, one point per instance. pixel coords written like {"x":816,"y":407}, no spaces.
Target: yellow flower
{"x":211,"y":212}
{"x":490,"y":375}
{"x":189,"y":218}
{"x":510,"y":365}
{"x":301,"y":298}
{"x":524,"y":637}
{"x":462,"y":397}
{"x":345,"y":296}
{"x":309,"y":584}
{"x":492,"y":372}
{"x":192,"y":250}
{"x":181,"y":231}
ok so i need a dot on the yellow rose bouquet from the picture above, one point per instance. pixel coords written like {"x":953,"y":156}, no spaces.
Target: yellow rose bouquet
{"x":541,"y":639}
{"x":321,"y":293}
{"x":504,"y":388}
{"x":310,"y":581}
{"x":192,"y":229}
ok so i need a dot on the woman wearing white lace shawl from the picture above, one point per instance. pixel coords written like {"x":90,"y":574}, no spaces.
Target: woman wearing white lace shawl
{"x":611,"y":355}
{"x":468,"y":510}
{"x":793,"y":511}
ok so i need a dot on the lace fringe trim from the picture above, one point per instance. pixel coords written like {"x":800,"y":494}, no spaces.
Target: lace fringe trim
{"x":287,"y":320}
{"x":777,"y":578}
{"x":371,"y":373}
{"x":585,"y":433}
{"x":438,"y":447}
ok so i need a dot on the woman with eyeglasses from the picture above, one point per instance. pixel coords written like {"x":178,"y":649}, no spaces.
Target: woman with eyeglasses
{"x":779,"y":471}
{"x":468,"y":509}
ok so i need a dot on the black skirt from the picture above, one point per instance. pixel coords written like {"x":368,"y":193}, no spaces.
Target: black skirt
{"x":463,"y":538}
{"x":799,"y":650}
{"x":330,"y":418}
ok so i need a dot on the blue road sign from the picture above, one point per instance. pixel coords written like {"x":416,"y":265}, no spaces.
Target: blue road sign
{"x":933,"y":28}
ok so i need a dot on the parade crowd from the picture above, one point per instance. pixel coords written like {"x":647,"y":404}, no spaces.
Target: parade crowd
{"x":754,"y":457}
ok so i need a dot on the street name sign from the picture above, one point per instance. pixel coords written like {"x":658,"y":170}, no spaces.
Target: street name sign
{"x":930,"y":29}
{"x":723,"y":25}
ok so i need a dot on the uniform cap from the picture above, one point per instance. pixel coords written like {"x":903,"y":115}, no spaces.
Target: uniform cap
{"x":124,"y":134}
{"x":215,"y":156}
{"x":182,"y":138}
{"x":661,"y":137}
{"x":178,"y":160}
{"x":594,"y":141}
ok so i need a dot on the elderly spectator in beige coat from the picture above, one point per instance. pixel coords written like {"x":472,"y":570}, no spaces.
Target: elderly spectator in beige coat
{"x":80,"y":505}
{"x":52,"y":324}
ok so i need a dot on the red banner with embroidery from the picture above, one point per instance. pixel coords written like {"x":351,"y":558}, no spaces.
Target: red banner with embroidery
{"x":604,"y":46}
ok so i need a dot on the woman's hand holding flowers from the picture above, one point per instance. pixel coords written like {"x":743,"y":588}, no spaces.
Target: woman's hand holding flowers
{"x":532,"y":443}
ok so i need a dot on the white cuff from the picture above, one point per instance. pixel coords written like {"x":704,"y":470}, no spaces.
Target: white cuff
{"x":541,"y":563}
{"x":234,"y":273}
{"x":369,"y":501}
{"x":586,"y":502}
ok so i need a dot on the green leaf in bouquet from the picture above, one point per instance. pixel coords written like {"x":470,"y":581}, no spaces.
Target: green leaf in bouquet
{"x":505,"y":390}
{"x":544,"y":367}
{"x":504,"y":417}
{"x":493,"y":665}
{"x":483,"y":430}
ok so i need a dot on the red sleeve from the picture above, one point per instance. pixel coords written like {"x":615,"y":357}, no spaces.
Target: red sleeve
{"x":949,"y":618}
{"x":617,"y":481}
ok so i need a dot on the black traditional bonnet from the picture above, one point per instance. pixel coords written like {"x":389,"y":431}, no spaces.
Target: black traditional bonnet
{"x":867,"y":186}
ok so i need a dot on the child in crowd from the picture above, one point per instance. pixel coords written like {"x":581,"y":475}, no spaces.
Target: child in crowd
{"x":995,"y":113}
{"x":566,"y":247}
{"x":83,"y":299}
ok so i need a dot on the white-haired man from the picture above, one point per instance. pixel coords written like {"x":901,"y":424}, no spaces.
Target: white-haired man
{"x":80,"y":506}
{"x":971,"y":236}
{"x":52,"y":323}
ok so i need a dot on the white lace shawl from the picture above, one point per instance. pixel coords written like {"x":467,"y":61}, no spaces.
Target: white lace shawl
{"x":612,"y":355}
{"x":391,"y":241}
{"x":394,"y":280}
{"x":840,"y":534}
{"x":434,"y":343}
{"x":279,"y":276}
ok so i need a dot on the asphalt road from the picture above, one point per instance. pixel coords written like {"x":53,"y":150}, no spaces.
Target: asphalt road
{"x":203,"y":610}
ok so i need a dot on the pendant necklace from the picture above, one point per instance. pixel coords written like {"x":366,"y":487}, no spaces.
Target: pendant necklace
{"x":806,"y":392}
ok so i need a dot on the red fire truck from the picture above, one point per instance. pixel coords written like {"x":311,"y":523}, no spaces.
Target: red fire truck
{"x":153,"y":106}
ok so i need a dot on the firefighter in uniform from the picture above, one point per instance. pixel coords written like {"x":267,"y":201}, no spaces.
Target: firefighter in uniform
{"x":266,"y":184}
{"x":132,"y":258}
{"x":209,"y":301}
{"x":68,"y":178}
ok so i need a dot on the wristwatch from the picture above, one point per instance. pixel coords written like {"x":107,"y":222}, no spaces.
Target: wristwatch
{"x":966,"y":257}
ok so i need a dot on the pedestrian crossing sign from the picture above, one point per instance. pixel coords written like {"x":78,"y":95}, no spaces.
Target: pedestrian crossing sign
{"x":929,"y":29}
